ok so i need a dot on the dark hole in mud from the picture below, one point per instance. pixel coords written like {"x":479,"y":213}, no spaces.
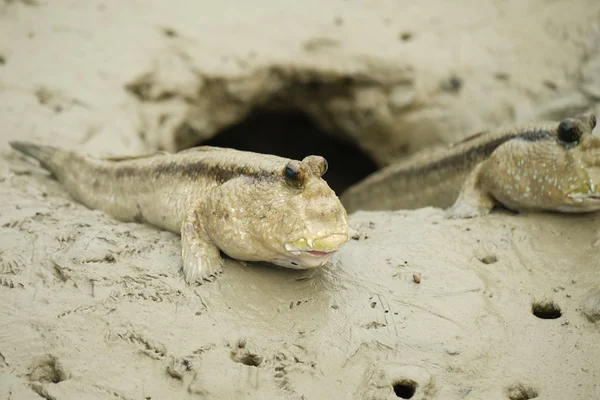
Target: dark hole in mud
{"x":293,"y":135}
{"x":406,"y":36}
{"x":546,"y":310}
{"x":521,"y":392}
{"x":405,"y":389}
{"x":252,"y":360}
{"x":47,"y":369}
{"x":489,"y":259}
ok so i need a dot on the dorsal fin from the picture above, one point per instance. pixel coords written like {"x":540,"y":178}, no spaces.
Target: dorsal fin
{"x":202,"y":148}
{"x":469,"y":138}
{"x":134,"y":157}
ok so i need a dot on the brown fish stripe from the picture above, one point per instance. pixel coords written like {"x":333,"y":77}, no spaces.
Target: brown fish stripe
{"x":476,"y":153}
{"x":199,"y":168}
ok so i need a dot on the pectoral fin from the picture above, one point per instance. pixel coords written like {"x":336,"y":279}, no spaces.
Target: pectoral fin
{"x":201,"y":257}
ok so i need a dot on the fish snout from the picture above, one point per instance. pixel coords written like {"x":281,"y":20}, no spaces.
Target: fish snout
{"x":330,"y":243}
{"x":321,"y":246}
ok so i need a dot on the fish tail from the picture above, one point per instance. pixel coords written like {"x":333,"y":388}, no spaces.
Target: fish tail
{"x":42,"y":153}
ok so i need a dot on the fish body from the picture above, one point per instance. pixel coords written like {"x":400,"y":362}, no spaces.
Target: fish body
{"x":544,"y":166}
{"x":250,"y":206}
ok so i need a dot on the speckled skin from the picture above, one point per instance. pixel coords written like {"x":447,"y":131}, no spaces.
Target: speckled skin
{"x":252,"y":207}
{"x":548,"y":166}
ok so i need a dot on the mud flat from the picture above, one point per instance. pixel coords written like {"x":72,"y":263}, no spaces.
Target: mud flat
{"x":415,"y":306}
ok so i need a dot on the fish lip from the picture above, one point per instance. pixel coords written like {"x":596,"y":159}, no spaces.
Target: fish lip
{"x":308,"y":249}
{"x":310,"y":252}
{"x":316,"y":253}
{"x":581,"y":197}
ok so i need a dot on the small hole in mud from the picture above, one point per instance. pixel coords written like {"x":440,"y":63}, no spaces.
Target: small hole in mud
{"x":489,"y":259}
{"x":546,"y":310}
{"x":406,"y":36}
{"x":453,"y":84}
{"x":252,"y":360}
{"x":522,"y":392}
{"x":169,"y":32}
{"x":292,"y":134}
{"x":47,"y":369}
{"x":405,"y":389}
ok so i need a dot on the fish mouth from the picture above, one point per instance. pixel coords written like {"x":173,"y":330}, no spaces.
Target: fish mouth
{"x":579,"y":197}
{"x":323,"y":246}
{"x":312,"y":253}
{"x":316,"y":253}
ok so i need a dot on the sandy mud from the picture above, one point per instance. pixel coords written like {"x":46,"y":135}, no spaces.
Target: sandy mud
{"x":414,"y":307}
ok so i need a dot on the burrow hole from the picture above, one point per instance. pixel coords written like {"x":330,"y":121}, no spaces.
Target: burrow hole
{"x":522,"y":392}
{"x":546,"y":309}
{"x":293,"y":135}
{"x":251,"y":360}
{"x":47,"y":369}
{"x":489,"y":259}
{"x":405,"y":389}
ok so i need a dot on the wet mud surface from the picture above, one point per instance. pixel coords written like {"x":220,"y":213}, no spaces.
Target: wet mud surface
{"x":504,"y":307}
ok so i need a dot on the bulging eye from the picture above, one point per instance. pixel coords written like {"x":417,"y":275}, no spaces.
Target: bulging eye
{"x":294,"y":175}
{"x":317,"y":164}
{"x":324,"y":167}
{"x":291,"y":173}
{"x":568,"y":131}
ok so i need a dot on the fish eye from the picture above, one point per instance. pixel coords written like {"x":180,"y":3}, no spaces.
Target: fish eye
{"x":568,"y":131}
{"x":293,"y":174}
{"x":317,"y":164}
{"x":324,"y":167}
{"x":593,"y":120}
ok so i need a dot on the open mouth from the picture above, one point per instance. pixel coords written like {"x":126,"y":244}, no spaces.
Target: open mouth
{"x":592,"y":198}
{"x":314,"y":253}
{"x":321,"y":247}
{"x":320,"y":253}
{"x":582,"y":197}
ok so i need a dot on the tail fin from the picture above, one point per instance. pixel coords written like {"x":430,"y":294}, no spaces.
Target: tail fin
{"x":41,"y":153}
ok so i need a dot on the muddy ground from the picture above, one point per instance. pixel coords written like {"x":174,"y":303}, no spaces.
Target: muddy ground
{"x":414,"y":306}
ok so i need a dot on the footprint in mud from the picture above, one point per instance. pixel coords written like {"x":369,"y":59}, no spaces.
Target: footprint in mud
{"x":290,"y":362}
{"x":12,"y":263}
{"x":146,"y":346}
{"x":178,"y":367}
{"x":11,"y":282}
{"x":56,"y":100}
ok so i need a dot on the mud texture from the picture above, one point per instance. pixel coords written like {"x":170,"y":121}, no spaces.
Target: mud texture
{"x":415,"y":306}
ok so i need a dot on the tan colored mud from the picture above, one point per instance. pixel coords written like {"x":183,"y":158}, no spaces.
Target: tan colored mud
{"x":97,"y":309}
